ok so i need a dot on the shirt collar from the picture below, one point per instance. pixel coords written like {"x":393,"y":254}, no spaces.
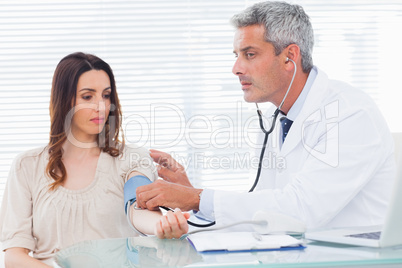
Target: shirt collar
{"x":298,"y":105}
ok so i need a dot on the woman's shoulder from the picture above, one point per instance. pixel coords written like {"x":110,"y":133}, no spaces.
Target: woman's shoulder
{"x":135,"y":158}
{"x":133,"y":150}
{"x":32,"y":156}
{"x":132,"y":154}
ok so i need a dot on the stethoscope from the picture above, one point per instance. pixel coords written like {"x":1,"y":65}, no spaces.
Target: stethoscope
{"x":271,"y":129}
{"x":274,"y":117}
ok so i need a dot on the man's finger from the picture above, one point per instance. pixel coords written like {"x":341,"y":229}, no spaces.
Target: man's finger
{"x":166,"y":173}
{"x":153,"y":203}
{"x":165,"y":160}
{"x":144,"y":195}
{"x":155,"y":155}
{"x":159,"y":156}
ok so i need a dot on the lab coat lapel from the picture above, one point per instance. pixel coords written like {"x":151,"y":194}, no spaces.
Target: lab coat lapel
{"x":308,"y":115}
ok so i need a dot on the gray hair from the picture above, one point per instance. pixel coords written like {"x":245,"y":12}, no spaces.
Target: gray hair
{"x":284,"y":23}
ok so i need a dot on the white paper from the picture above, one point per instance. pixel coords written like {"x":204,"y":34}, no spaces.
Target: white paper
{"x":234,"y":241}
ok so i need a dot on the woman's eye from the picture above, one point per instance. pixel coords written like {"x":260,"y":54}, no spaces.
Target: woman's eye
{"x":86,"y":98}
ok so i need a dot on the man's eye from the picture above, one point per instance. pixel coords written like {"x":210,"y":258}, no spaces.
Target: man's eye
{"x":250,"y":55}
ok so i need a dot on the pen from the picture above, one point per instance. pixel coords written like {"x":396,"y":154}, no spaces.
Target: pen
{"x":257,"y":236}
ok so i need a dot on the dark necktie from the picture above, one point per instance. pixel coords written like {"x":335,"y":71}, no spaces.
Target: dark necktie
{"x":286,"y":124}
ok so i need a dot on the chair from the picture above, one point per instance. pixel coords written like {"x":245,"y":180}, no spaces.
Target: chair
{"x":398,"y":145}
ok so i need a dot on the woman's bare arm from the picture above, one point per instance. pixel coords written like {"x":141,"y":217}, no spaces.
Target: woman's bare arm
{"x":18,"y":257}
{"x":171,"y":225}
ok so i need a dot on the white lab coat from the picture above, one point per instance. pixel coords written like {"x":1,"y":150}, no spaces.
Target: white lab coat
{"x":335,"y":168}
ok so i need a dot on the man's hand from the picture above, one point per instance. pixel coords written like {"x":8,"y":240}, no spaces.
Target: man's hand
{"x":169,"y":169}
{"x":167,"y":194}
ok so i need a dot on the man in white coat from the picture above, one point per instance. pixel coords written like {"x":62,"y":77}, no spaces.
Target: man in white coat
{"x":338,"y":165}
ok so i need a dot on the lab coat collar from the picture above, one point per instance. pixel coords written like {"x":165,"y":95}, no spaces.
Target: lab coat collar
{"x":308,"y":113}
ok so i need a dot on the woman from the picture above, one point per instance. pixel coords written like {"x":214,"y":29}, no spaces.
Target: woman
{"x":72,"y":189}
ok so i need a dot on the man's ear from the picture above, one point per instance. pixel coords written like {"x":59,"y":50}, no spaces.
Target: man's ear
{"x":293,"y":52}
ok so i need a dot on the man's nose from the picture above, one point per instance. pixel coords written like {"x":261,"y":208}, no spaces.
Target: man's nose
{"x":238,"y":68}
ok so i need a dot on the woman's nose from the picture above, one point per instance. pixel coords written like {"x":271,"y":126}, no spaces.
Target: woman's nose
{"x":101,"y":106}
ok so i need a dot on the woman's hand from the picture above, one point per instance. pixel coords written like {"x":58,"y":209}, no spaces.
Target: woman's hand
{"x":172,"y":225}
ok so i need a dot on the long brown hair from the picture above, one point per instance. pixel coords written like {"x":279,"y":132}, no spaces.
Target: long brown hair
{"x":62,"y":101}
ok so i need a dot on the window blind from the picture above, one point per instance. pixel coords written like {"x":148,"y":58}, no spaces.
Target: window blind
{"x":172,"y":62}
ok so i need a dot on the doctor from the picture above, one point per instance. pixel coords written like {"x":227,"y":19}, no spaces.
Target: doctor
{"x":336,"y":149}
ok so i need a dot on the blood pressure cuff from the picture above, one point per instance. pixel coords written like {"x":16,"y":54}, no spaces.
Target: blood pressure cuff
{"x":130,"y":188}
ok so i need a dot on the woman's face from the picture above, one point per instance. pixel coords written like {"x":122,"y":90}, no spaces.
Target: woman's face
{"x":92,"y":105}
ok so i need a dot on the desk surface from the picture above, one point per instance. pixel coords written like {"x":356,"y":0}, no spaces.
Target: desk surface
{"x":153,"y":252}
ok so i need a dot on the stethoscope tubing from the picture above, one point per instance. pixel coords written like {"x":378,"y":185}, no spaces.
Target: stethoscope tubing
{"x":259,"y":113}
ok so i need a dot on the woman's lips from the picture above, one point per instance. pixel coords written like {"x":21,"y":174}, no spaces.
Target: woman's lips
{"x":98,"y":120}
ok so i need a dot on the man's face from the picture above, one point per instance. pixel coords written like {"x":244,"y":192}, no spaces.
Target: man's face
{"x":259,"y":70}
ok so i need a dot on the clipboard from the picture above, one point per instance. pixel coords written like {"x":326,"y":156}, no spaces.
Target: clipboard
{"x":218,"y":242}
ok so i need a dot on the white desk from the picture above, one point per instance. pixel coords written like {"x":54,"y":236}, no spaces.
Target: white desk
{"x":152,"y":252}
